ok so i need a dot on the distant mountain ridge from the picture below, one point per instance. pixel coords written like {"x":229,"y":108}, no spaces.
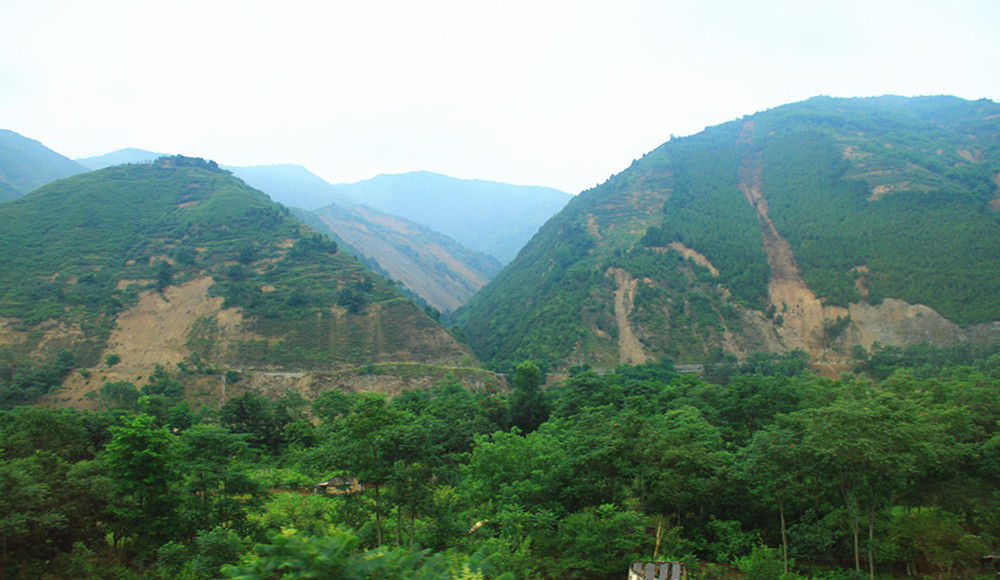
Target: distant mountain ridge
{"x":120,"y":157}
{"x":819,"y":225}
{"x":291,"y":185}
{"x":26,"y":164}
{"x":487,"y":216}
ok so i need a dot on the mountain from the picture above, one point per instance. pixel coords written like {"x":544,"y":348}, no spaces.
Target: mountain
{"x":489,"y":217}
{"x":120,"y":157}
{"x":821,"y":225}
{"x":434,"y":267}
{"x":291,"y":185}
{"x":26,"y":164}
{"x":178,"y":263}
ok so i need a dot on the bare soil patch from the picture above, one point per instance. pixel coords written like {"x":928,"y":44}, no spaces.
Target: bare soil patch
{"x":154,"y":330}
{"x":695,"y":256}
{"x":630,"y":349}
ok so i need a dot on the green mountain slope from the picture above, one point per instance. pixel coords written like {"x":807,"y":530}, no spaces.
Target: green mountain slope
{"x":815,"y":225}
{"x":489,"y":217}
{"x":26,"y":164}
{"x":122,"y":257}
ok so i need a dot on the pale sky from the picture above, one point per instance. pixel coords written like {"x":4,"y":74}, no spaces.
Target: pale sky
{"x":533,"y":92}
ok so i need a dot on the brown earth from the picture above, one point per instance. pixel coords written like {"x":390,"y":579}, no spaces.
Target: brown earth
{"x":445,"y":290}
{"x":695,"y":257}
{"x":630,"y":350}
{"x":154,"y":331}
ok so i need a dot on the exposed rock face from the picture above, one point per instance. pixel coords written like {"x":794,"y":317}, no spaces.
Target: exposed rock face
{"x":895,"y":322}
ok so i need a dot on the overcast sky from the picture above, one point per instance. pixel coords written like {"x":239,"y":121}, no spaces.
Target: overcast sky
{"x":533,"y":92}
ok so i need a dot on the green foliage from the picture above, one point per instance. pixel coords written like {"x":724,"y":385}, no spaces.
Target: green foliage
{"x":763,"y":563}
{"x":553,"y":274}
{"x":706,"y":194}
{"x":217,"y":490}
{"x":119,"y":395}
{"x":253,"y":415}
{"x":293,"y":555}
{"x":528,"y":406}
{"x":139,"y":460}
{"x":633,"y":462}
{"x":161,"y":383}
{"x":22,"y":381}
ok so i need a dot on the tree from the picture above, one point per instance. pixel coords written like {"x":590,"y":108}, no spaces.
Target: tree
{"x":140,"y":459}
{"x":375,"y":443}
{"x":218,"y":490}
{"x":528,"y":406}
{"x":164,"y":275}
{"x":26,"y":512}
{"x":119,"y":395}
{"x":253,"y":415}
{"x":773,"y":468}
{"x":333,"y":403}
{"x":869,"y":446}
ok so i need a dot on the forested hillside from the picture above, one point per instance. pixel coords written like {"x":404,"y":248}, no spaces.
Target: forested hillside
{"x":179,"y":262}
{"x":785,"y":229}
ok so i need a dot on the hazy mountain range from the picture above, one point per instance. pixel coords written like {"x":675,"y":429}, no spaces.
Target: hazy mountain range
{"x":26,"y":164}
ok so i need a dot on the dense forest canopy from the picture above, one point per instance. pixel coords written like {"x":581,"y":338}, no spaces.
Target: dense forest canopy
{"x":759,"y":467}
